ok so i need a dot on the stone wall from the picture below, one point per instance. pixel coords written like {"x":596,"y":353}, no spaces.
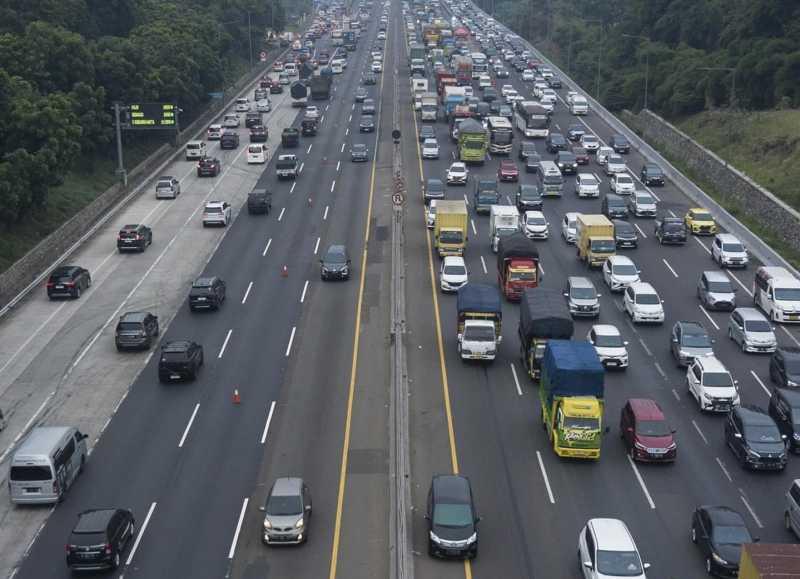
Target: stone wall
{"x":734,"y":186}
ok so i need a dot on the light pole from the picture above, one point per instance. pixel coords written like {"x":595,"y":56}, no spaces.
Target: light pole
{"x":250,"y":38}
{"x":733,"y":79}
{"x":646,"y":61}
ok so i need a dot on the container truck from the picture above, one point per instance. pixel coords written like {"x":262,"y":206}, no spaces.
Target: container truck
{"x":595,"y":239}
{"x":503,"y":221}
{"x":769,"y":561}
{"x":473,"y":141}
{"x":543,"y":316}
{"x":430,"y":107}
{"x":480,"y":318}
{"x":571,"y":398}
{"x":321,"y":87}
{"x":517,"y":265}
{"x":450,"y":227}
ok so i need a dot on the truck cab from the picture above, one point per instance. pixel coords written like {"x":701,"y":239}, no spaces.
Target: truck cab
{"x":286,"y":166}
{"x":595,"y":239}
{"x":486,"y":194}
{"x":479,"y":321}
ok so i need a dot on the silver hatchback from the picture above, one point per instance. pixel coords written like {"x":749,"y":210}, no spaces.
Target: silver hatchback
{"x":287,"y":512}
{"x":751,"y":330}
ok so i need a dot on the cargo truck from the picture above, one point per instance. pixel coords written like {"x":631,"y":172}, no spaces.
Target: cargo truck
{"x":321,"y":87}
{"x":543,"y":316}
{"x":349,"y":40}
{"x":462,"y":65}
{"x":299,"y":93}
{"x":487,"y":194}
{"x":517,"y":265}
{"x":443,"y":80}
{"x":769,"y":561}
{"x":595,"y":239}
{"x":503,"y":221}
{"x":430,"y":107}
{"x":473,"y":141}
{"x":571,"y":398}
{"x":480,"y":318}
{"x":450,"y":227}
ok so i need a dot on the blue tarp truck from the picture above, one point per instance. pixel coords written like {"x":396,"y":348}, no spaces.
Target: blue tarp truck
{"x":480,"y":318}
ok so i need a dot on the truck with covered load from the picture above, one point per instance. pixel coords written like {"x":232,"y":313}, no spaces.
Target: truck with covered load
{"x":299,"y":93}
{"x":543,"y":316}
{"x":517,"y":265}
{"x":473,"y":141}
{"x":571,"y":396}
{"x":503,"y":221}
{"x":321,"y":87}
{"x":480,"y":318}
{"x":462,"y":65}
{"x":595,"y":240}
{"x":450,"y":227}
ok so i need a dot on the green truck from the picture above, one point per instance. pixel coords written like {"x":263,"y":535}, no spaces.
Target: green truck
{"x":543,"y":316}
{"x":473,"y":141}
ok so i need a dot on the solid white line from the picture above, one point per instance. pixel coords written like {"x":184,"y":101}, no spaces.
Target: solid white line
{"x":642,"y":233}
{"x":760,"y":383}
{"x":744,"y":287}
{"x":342,"y":150}
{"x":788,"y":333}
{"x":641,"y":483}
{"x":293,"y":186}
{"x":333,"y":185}
{"x":269,"y":420}
{"x":752,"y":512}
{"x":238,"y":529}
{"x":710,"y":319}
{"x":700,"y":432}
{"x":338,"y":164}
{"x":546,"y":480}
{"x":225,"y":343}
{"x":325,"y":215}
{"x":247,"y":293}
{"x":483,"y":263}
{"x":309,"y":148}
{"x":669,"y":267}
{"x":724,"y":470}
{"x":27,"y":426}
{"x":516,"y":381}
{"x":316,"y":246}
{"x":303,"y":295}
{"x":266,"y":249}
{"x":140,"y":534}
{"x":283,"y":210}
{"x":474,"y":231}
{"x":189,"y":425}
{"x":703,"y":245}
{"x":291,"y":339}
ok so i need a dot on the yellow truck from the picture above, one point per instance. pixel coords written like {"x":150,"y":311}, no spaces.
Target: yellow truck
{"x":769,"y":561}
{"x":450,"y":228}
{"x":595,"y":239}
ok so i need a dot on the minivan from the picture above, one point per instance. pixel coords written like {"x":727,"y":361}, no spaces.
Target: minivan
{"x":451,"y":516}
{"x":777,"y":292}
{"x":784,"y":408}
{"x":256,"y":153}
{"x":549,"y":179}
{"x":195,"y":150}
{"x":791,"y":516}
{"x":46,"y":464}
{"x":751,"y":330}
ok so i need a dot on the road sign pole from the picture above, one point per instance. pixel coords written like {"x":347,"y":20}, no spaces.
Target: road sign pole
{"x":120,"y":164}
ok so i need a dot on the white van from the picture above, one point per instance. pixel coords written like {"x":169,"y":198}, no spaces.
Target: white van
{"x":777,"y":292}
{"x":257,"y":153}
{"x":336,"y":66}
{"x":46,"y":464}
{"x":290,"y":68}
{"x":195,"y":150}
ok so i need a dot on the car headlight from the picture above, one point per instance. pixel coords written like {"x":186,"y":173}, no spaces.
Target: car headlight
{"x":472,"y":538}
{"x":267,"y":524}
{"x":706,"y":397}
{"x":796,"y":436}
{"x":753,"y":453}
{"x":640,"y":446}
{"x":434,"y":537}
{"x":299,"y":524}
{"x":792,"y":383}
{"x":718,"y":559}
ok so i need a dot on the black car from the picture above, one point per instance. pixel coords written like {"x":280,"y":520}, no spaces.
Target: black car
{"x":366,"y":125}
{"x":620,"y":144}
{"x":755,"y":439}
{"x":134,"y":237}
{"x":206,"y":293}
{"x":670,"y":230}
{"x":259,"y":201}
{"x":208,"y":167}
{"x":451,"y":516}
{"x":651,"y":174}
{"x":136,"y":330}
{"x":369,"y":79}
{"x":252,"y":119}
{"x":180,"y":359}
{"x":359,"y":153}
{"x":426,"y":132}
{"x":532,"y":163}
{"x":434,"y":189}
{"x":575,"y":132}
{"x":68,"y":281}
{"x":229,"y":140}
{"x":720,"y":532}
{"x":555,"y":142}
{"x":614,"y":207}
{"x":554,"y":82}
{"x":567,"y":162}
{"x":99,"y":538}
{"x":259,"y":134}
{"x":526,"y":148}
{"x":784,"y":367}
{"x":528,"y":198}
{"x":335,"y":263}
{"x":625,"y":234}
{"x":490,"y":94}
{"x":784,"y":408}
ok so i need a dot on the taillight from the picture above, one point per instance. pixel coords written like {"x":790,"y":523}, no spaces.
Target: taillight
{"x":50,"y":284}
{"x":69,"y":548}
{"x":108,"y":548}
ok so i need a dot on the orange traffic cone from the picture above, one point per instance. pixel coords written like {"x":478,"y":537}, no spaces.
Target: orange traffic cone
{"x":236,"y":398}
{"x":284,"y":271}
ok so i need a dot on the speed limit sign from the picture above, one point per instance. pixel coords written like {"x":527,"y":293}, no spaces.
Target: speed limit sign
{"x":398,"y":199}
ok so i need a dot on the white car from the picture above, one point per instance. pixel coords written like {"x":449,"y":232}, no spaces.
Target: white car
{"x":381,"y":35}
{"x":622,"y":184}
{"x":535,"y":225}
{"x":619,"y":272}
{"x":547,"y":104}
{"x":216,"y":213}
{"x":430,"y":149}
{"x":711,"y":384}
{"x":505,"y":89}
{"x":312,"y":112}
{"x":549,"y":93}
{"x":430,"y":214}
{"x":527,"y":75}
{"x":263,"y":106}
{"x":569,"y":227}
{"x":484,"y":81}
{"x":643,"y":304}
{"x":230,"y":121}
{"x":214,"y":132}
{"x":728,"y":251}
{"x":377,"y":66}
{"x":587,"y":185}
{"x":457,"y":174}
{"x":610,"y":347}
{"x":591,"y":143}
{"x":453,"y":273}
{"x":242,"y":105}
{"x":606,"y":549}
{"x":615,"y":164}
{"x":538,"y":87}
{"x":603,"y":153}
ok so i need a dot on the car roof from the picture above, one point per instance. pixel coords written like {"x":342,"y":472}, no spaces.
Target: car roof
{"x":133,"y":316}
{"x":645,"y":409}
{"x":534,"y":213}
{"x":727,"y":238}
{"x":451,"y":487}
{"x":622,"y":225}
{"x":287,"y":486}
{"x":722,"y":515}
{"x":613,"y":197}
{"x":611,"y":535}
{"x":93,"y":521}
{"x":336,"y":249}
{"x":754,"y":415}
{"x":620,"y":260}
{"x":606,"y":329}
{"x":691,"y":327}
{"x":579,"y":281}
{"x":642,"y":287}
{"x":750,"y":314}
{"x":711,"y":364}
{"x":214,"y":203}
{"x":587,"y":176}
{"x":453,"y":260}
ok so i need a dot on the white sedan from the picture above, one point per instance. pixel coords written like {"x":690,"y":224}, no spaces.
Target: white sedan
{"x":312,"y":112}
{"x":430,"y":149}
{"x":615,"y":164}
{"x":453,"y":273}
{"x":263,"y":106}
{"x":242,"y":105}
{"x":527,"y":75}
{"x":587,"y":185}
{"x":377,"y":66}
{"x":536,"y":225}
{"x":622,"y":184}
{"x":457,"y":174}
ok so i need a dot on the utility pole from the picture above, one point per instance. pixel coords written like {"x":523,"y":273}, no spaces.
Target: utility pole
{"x":120,"y":164}
{"x":732,"y":100}
{"x":250,"y":38}
{"x":646,"y":62}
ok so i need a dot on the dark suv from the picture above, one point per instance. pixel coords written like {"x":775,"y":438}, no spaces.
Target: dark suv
{"x":136,"y":330}
{"x":259,"y":200}
{"x":206,"y":293}
{"x":689,"y":340}
{"x":68,"y":281}
{"x":754,"y":438}
{"x":784,"y":408}
{"x":99,"y":538}
{"x":670,"y":230}
{"x":652,"y":174}
{"x":335,"y":263}
{"x":784,"y":367}
{"x":452,"y":520}
{"x":134,"y":237}
{"x":528,"y":198}
{"x":180,"y":359}
{"x":208,"y":167}
{"x":620,"y":144}
{"x":229,"y":140}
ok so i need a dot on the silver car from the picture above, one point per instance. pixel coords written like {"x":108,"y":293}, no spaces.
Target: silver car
{"x":715,"y":290}
{"x":751,"y":330}
{"x":167,"y":187}
{"x":582,"y":297}
{"x":287,"y":512}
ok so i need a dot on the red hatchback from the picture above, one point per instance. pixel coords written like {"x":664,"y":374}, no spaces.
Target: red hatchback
{"x":508,"y":171}
{"x":645,"y":431}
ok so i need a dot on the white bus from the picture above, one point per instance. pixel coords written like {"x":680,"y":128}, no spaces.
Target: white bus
{"x":532,"y":119}
{"x":480,"y":64}
{"x":501,"y":134}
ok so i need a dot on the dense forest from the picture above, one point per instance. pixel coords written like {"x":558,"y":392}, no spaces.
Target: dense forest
{"x":63,"y":63}
{"x":753,"y":45}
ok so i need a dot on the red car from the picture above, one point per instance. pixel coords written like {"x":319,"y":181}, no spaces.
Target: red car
{"x":508,"y":171}
{"x":277,"y":66}
{"x":645,"y":431}
{"x":208,"y":167}
{"x":581,"y":155}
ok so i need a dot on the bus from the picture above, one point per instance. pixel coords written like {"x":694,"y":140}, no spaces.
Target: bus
{"x":532,"y":119}
{"x":480,"y":64}
{"x":501,"y":133}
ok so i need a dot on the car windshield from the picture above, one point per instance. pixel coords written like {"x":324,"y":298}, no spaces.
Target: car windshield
{"x":588,"y":181}
{"x":673,"y":227}
{"x":696,"y":340}
{"x":644,"y":200}
{"x":702,"y":217}
{"x":647,"y":299}
{"x":717,"y":380}
{"x":457,"y":169}
{"x":625,"y":269}
{"x":451,"y":236}
{"x":603,"y":245}
{"x":652,"y":428}
{"x":733,"y":247}
{"x":787,"y":294}
{"x":528,"y":193}
{"x":766,"y":433}
{"x":728,"y":535}
{"x":479,"y":334}
{"x":452,"y":515}
{"x":281,"y":506}
{"x":615,"y":161}
{"x":455,"y":270}
{"x":619,"y":563}
{"x":608,"y":341}
{"x":335,"y":257}
{"x":535,"y":220}
{"x":757,"y":326}
{"x":435,"y":186}
{"x":583,"y":293}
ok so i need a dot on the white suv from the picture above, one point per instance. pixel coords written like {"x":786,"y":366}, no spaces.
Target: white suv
{"x":642,"y":303}
{"x":712,"y":385}
{"x":453,"y":274}
{"x":216,"y":213}
{"x":619,"y":272}
{"x":587,"y":185}
{"x":622,"y":184}
{"x":606,"y":549}
{"x":728,"y":251}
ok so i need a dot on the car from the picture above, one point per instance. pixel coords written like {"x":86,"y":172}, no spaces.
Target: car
{"x":728,"y":251}
{"x":614,"y":164}
{"x":581,"y":155}
{"x":566,"y":162}
{"x":453,"y":273}
{"x":620,"y":144}
{"x":359,"y":153}
{"x":366,"y":125}
{"x":259,"y":134}
{"x":651,"y":174}
{"x":569,"y":227}
{"x":214,"y":132}
{"x":369,"y":79}
{"x":645,"y":432}
{"x":283,"y":79}
{"x":642,"y":303}
{"x":134,"y":237}
{"x":195,"y":150}
{"x":625,"y":235}
{"x":700,"y":222}
{"x":99,"y":538}
{"x":690,"y":340}
{"x":230,"y":121}
{"x":670,"y":230}
{"x":719,"y":532}
{"x":180,"y":359}
{"x":642,"y":204}
{"x":526,"y":149}
{"x":555,"y":142}
{"x":619,"y":272}
{"x":430,"y":149}
{"x":752,"y":331}
{"x":253,"y":118}
{"x":229,"y":140}
{"x":452,"y":518}
{"x":784,"y":408}
{"x":68,"y":281}
{"x":502,"y":73}
{"x":535,"y":225}
{"x":216,"y":213}
{"x":784,"y":367}
{"x":368,"y":107}
{"x":611,"y":348}
{"x":490,"y":95}
{"x":575,"y":132}
{"x":260,"y":93}
{"x":208,"y":167}
{"x":168,"y":187}
{"x":711,"y":385}
{"x":590,"y":142}
{"x":361,"y":94}
{"x":606,"y":549}
{"x":587,"y":185}
{"x":457,"y":174}
{"x":554,"y":82}
{"x":311,"y":112}
{"x":582,"y":297}
{"x":508,"y":171}
{"x":275,"y":87}
{"x":335,"y":263}
{"x":136,"y":330}
{"x":207,"y":293}
{"x":755,"y":439}
{"x":603,"y":153}
{"x":259,"y":201}
{"x":434,"y":189}
{"x":376,"y":66}
{"x":426,"y":132}
{"x":527,"y":76}
{"x":622,"y":184}
{"x":528,"y":198}
{"x":614,"y":206}
{"x":532,"y":163}
{"x":287,"y":512}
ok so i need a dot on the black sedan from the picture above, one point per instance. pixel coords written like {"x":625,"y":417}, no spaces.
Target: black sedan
{"x":366,"y":125}
{"x":720,"y":533}
{"x":575,"y":132}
